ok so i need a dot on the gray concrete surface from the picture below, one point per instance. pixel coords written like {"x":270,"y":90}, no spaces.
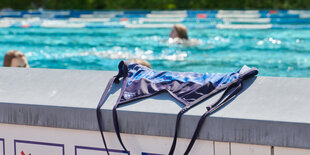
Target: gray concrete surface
{"x":270,"y":110}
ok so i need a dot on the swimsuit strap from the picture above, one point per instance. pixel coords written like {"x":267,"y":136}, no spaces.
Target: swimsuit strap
{"x":238,"y":85}
{"x":98,"y":111}
{"x":172,"y":148}
{"x":115,"y":119}
{"x":214,"y":107}
{"x":186,"y":108}
{"x":123,"y":72}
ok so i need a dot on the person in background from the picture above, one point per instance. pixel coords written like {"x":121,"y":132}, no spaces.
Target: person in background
{"x":15,"y":58}
{"x":179,"y":31}
{"x":178,"y":35}
{"x":140,"y":62}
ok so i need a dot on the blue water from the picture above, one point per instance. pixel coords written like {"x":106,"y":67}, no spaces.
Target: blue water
{"x":284,"y":53}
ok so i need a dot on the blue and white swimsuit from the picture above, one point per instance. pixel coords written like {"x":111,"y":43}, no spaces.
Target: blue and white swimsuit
{"x":189,"y":88}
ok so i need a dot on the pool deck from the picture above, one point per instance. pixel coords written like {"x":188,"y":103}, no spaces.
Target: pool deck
{"x":270,"y":111}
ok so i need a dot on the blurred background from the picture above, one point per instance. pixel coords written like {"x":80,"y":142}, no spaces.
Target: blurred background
{"x":271,"y":35}
{"x":154,"y":4}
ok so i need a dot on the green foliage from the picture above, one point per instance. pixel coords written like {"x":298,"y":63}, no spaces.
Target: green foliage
{"x":154,"y":4}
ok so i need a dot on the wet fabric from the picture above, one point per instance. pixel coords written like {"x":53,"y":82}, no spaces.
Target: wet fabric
{"x":189,"y":88}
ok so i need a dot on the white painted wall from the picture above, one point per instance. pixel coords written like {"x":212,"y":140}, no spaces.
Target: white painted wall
{"x":71,"y":138}
{"x":290,"y":151}
{"x":1,"y":146}
{"x":36,"y":140}
{"x":240,"y":149}
{"x":221,"y":148}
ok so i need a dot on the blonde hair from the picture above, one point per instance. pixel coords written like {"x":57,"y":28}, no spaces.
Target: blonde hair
{"x":140,"y":62}
{"x":9,"y":56}
{"x":181,"y":31}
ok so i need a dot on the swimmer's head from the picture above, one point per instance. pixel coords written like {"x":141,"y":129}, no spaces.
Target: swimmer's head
{"x":140,"y":62}
{"x":179,"y":31}
{"x":15,"y":58}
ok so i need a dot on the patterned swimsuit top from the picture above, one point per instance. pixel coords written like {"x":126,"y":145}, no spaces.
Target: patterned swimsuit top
{"x":189,"y":88}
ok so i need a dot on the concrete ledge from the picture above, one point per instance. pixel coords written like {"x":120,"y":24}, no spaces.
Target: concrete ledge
{"x":271,"y":111}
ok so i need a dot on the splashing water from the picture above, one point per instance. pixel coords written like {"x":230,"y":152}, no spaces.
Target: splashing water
{"x":274,"y":52}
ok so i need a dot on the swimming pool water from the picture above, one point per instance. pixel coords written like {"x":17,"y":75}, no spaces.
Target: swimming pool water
{"x":284,"y":53}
